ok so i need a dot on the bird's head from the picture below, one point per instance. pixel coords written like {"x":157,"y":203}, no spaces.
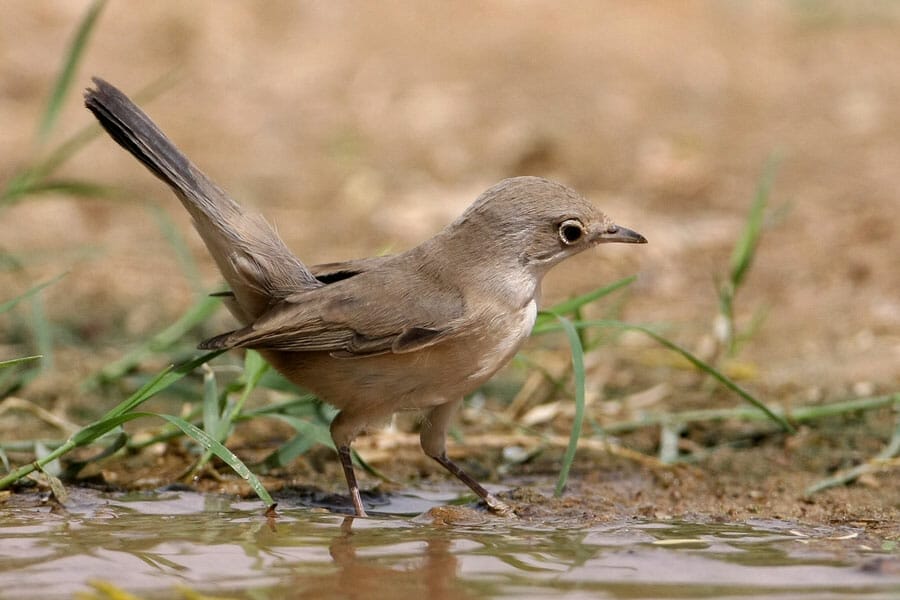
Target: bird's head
{"x":539,"y":223}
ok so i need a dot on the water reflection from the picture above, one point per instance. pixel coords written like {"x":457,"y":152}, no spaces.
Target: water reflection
{"x":155,"y":544}
{"x":424,"y":566}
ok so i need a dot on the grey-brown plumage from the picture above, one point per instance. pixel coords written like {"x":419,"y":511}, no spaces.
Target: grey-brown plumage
{"x":415,"y":330}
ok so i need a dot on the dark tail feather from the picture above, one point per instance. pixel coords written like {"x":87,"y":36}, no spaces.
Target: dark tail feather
{"x":132,"y":129}
{"x":252,"y":258}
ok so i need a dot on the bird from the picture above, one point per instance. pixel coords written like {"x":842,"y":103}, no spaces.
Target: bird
{"x":416,"y":330}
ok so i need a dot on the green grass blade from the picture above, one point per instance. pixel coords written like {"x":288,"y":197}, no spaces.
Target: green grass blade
{"x":163,"y":340}
{"x":578,"y":420}
{"x":211,"y":417}
{"x":285,"y":454}
{"x":691,"y":358}
{"x":255,"y":367}
{"x":567,"y":307}
{"x":124,"y":412}
{"x":799,"y":414}
{"x":317,"y":433}
{"x":220,"y":425}
{"x":159,"y":383}
{"x":368,"y":467}
{"x":72,"y":187}
{"x":305,"y":405}
{"x":309,"y":434}
{"x":67,"y":74}
{"x":9,"y":304}
{"x":34,"y":176}
{"x":40,"y":451}
{"x":179,"y":246}
{"x":226,"y":455}
{"x":31,"y":467}
{"x":717,"y":375}
{"x":14,"y":361}
{"x":96,"y":430}
{"x":10,"y":261}
{"x":889,"y":452}
{"x":118,"y":442}
{"x":82,"y":437}
{"x":745,"y":248}
{"x":91,"y":433}
{"x":742,"y":257}
{"x":43,"y":332}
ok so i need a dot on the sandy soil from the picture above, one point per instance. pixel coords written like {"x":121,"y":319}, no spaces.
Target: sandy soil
{"x":364,"y":128}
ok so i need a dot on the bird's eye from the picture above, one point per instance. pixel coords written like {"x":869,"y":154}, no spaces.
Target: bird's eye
{"x":570,"y":231}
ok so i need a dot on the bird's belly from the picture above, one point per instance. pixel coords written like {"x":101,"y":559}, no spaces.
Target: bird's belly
{"x":420,"y":379}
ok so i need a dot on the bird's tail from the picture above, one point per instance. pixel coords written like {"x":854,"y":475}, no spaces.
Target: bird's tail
{"x":253,"y":259}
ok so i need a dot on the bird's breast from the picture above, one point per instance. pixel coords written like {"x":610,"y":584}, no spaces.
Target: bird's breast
{"x":501,"y":339}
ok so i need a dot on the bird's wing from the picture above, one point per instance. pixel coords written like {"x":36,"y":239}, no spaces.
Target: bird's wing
{"x":358,"y":316}
{"x":326,"y":273}
{"x":337,"y":271}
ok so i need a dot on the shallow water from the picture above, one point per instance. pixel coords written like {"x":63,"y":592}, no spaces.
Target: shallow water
{"x":157,"y":545}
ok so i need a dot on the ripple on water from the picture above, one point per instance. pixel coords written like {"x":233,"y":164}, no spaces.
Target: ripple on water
{"x":153,"y":543}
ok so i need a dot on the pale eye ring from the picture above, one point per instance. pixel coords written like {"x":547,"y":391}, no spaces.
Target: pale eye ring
{"x":570,"y":231}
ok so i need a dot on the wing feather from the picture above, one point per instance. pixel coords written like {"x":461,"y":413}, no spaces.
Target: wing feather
{"x":354,"y":316}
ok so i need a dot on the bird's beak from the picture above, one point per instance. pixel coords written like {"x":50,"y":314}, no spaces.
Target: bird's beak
{"x":615,"y":233}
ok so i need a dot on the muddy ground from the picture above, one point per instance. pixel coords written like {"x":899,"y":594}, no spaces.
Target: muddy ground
{"x":358,"y":129}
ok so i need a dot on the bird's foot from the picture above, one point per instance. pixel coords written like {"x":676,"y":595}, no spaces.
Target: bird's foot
{"x":499,"y":507}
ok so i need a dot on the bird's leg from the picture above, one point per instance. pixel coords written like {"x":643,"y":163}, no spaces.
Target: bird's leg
{"x":433,"y":439}
{"x":493,"y":503}
{"x":344,"y":428}
{"x":347,"y":464}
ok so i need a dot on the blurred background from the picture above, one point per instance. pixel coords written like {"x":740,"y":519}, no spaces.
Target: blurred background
{"x":360,"y":128}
